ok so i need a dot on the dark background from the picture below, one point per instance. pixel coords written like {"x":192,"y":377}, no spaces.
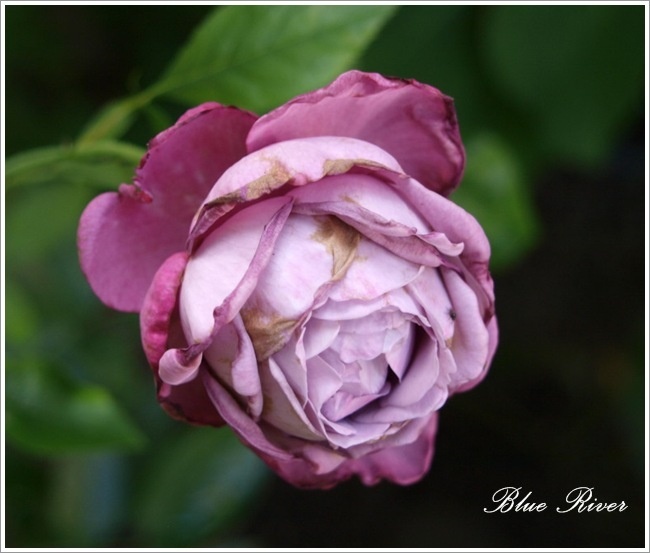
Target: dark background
{"x":563,"y":405}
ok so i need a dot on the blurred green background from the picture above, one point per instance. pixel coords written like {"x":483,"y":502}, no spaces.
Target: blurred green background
{"x":550,"y":101}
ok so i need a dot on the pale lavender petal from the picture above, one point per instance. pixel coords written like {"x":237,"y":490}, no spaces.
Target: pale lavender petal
{"x":434,"y":398}
{"x":470,"y":342}
{"x":318,"y":335}
{"x":245,"y":427}
{"x":399,"y":357}
{"x":493,"y":338}
{"x":342,"y":404}
{"x":282,"y":408}
{"x":416,"y":123}
{"x":219,"y":266}
{"x":323,"y":382}
{"x":368,"y":191}
{"x":291,"y":361}
{"x":401,"y":240}
{"x":232,"y":357}
{"x":431,"y":293}
{"x":297,"y":163}
{"x":419,"y":378}
{"x":403,"y":464}
{"x":398,"y":300}
{"x":365,"y":376}
{"x":371,"y":336}
{"x":307,"y":255}
{"x":176,"y":368}
{"x":206,"y":273}
{"x":315,"y":466}
{"x":124,"y":236}
{"x":458,"y":226}
{"x":374,"y":272}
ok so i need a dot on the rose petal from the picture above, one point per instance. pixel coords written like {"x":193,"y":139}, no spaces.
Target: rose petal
{"x":430,"y":292}
{"x":370,"y":192}
{"x":403,"y":464}
{"x":318,"y":335}
{"x":458,"y":226}
{"x":232,"y":357}
{"x":309,"y":253}
{"x":189,"y":402}
{"x":470,"y":342}
{"x":245,"y":427}
{"x":224,"y":261}
{"x":158,"y":306}
{"x":282,"y":408}
{"x":297,"y":162}
{"x":124,"y":237}
{"x":416,"y":123}
{"x":420,"y":377}
{"x":401,"y":230}
{"x":373,"y":272}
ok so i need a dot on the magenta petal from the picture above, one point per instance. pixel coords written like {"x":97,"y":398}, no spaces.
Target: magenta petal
{"x":159,"y":305}
{"x":414,"y":122}
{"x":124,"y":237}
{"x":189,"y":402}
{"x":161,"y":330}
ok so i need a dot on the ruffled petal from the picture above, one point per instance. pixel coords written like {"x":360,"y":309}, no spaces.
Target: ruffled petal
{"x":414,"y":122}
{"x":124,"y":237}
{"x":309,"y":254}
{"x":314,"y":466}
{"x":295,"y":163}
{"x":232,"y":256}
{"x":402,"y":464}
{"x":470,"y":342}
{"x":381,"y":213}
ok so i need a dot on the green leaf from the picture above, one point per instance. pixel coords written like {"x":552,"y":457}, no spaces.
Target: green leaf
{"x":495,"y":191}
{"x":48,"y":414}
{"x":196,"y":487}
{"x":102,"y":165}
{"x":257,"y":57}
{"x":115,"y":119}
{"x":575,"y":72}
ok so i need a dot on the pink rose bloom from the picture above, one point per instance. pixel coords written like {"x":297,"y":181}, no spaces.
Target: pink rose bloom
{"x":302,"y":276}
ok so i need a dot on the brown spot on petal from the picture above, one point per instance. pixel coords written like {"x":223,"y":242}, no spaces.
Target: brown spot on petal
{"x":349,"y":199}
{"x":341,"y":241}
{"x":268,"y":182}
{"x":268,"y":332}
{"x":340,"y":166}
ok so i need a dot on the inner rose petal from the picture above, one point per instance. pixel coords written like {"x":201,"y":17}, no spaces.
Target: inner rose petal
{"x":219,"y":264}
{"x":310,"y":253}
{"x":373,"y":272}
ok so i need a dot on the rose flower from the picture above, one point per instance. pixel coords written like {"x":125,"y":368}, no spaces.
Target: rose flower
{"x":302,"y":277}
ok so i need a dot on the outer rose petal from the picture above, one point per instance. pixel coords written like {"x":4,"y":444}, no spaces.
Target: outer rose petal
{"x":404,"y":464}
{"x":123,"y":237}
{"x":161,"y":329}
{"x":414,"y":122}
